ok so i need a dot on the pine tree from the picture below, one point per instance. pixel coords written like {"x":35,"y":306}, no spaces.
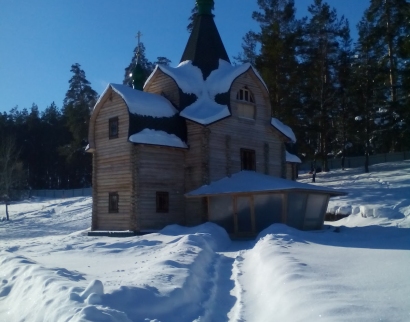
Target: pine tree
{"x":249,"y":46}
{"x":143,"y":61}
{"x":11,"y":170}
{"x":323,"y":35}
{"x":274,"y":51}
{"x":78,"y":103}
{"x":367,"y":92}
{"x":388,"y":21}
{"x":344,"y":116}
{"x":54,"y":163}
{"x":191,"y":18}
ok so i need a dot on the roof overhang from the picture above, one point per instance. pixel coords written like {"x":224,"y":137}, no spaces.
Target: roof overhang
{"x":249,"y":182}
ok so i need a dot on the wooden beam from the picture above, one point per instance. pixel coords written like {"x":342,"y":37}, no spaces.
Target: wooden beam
{"x":253,"y":218}
{"x":284,"y":208}
{"x":235,"y":214}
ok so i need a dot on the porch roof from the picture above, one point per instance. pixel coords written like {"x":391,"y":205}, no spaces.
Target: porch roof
{"x":246,"y":182}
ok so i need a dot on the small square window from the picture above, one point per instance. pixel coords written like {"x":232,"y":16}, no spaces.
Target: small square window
{"x":162,"y":201}
{"x":248,"y":160}
{"x":113,"y":202}
{"x":113,"y":128}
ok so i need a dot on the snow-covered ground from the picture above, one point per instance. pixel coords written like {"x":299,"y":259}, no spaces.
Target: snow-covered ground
{"x":356,"y":269}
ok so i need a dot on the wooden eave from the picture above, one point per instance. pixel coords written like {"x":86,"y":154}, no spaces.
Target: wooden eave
{"x":91,"y":139}
{"x":264,"y":192}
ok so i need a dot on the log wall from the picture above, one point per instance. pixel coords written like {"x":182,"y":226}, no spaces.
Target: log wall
{"x":196,"y":171}
{"x":228,"y":136}
{"x":162,"y":84}
{"x":159,"y":169}
{"x":112,"y":167}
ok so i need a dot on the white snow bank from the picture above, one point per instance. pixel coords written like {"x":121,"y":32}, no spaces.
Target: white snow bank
{"x":380,"y":196}
{"x":30,"y":292}
{"x":216,"y":237}
{"x":284,"y":129}
{"x":328,"y":275}
{"x":148,"y":136}
{"x":356,"y":269}
{"x":142,"y":103}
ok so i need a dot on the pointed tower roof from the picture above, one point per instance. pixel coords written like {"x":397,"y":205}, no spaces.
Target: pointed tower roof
{"x":205,"y":46}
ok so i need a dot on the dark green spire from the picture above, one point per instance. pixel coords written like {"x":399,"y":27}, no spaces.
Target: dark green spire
{"x":138,"y":77}
{"x":205,"y":7}
{"x":205,"y":46}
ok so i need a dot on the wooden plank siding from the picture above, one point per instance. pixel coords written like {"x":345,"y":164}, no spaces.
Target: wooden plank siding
{"x":112,"y":166}
{"x":196,"y":171}
{"x":160,"y":169}
{"x":137,"y":171}
{"x":228,"y":136}
{"x":164,"y":85}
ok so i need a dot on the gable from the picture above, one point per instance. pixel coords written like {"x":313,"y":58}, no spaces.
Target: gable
{"x":162,"y":84}
{"x":110,"y":105}
{"x":145,"y":117}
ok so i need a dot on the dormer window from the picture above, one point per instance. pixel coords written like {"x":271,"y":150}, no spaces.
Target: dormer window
{"x":246,"y":104}
{"x":245,"y":94}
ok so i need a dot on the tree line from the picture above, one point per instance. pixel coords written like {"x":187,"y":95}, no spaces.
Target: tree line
{"x":341,"y":97}
{"x":47,"y":149}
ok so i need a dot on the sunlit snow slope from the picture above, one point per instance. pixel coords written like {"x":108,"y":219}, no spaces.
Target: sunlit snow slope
{"x":355,"y":269}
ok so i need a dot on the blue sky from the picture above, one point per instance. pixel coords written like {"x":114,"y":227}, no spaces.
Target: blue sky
{"x":41,"y":39}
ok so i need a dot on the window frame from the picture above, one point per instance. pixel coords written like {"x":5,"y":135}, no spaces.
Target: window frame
{"x":162,"y":201}
{"x":246,"y":103}
{"x":113,"y":205}
{"x":245,"y":95}
{"x":111,"y":121}
{"x":248,"y":159}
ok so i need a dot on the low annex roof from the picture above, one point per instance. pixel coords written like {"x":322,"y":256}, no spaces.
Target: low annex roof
{"x":292,"y":158}
{"x":252,"y":182}
{"x":155,"y":137}
{"x":284,"y":129}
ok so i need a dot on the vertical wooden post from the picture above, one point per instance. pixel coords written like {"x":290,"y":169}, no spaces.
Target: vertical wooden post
{"x":285,"y":207}
{"x":235,"y":214}
{"x":207,"y":211}
{"x":94,"y":212}
{"x":253,"y":218}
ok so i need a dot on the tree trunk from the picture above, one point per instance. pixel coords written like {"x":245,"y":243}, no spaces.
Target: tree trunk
{"x":7,"y":211}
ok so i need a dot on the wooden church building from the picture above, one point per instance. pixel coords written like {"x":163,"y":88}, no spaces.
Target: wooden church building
{"x":185,"y":128}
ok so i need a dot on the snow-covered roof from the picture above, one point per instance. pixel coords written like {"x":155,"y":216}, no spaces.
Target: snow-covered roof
{"x":190,"y":80}
{"x":148,"y":136}
{"x":143,"y":103}
{"x":250,"y":181}
{"x":292,"y":158}
{"x":284,"y":129}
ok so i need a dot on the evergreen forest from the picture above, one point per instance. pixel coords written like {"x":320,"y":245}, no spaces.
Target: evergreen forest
{"x":342,"y":97}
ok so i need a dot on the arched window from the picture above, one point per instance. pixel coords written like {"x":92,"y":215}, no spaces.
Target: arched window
{"x":246,"y":104}
{"x":245,"y":94}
